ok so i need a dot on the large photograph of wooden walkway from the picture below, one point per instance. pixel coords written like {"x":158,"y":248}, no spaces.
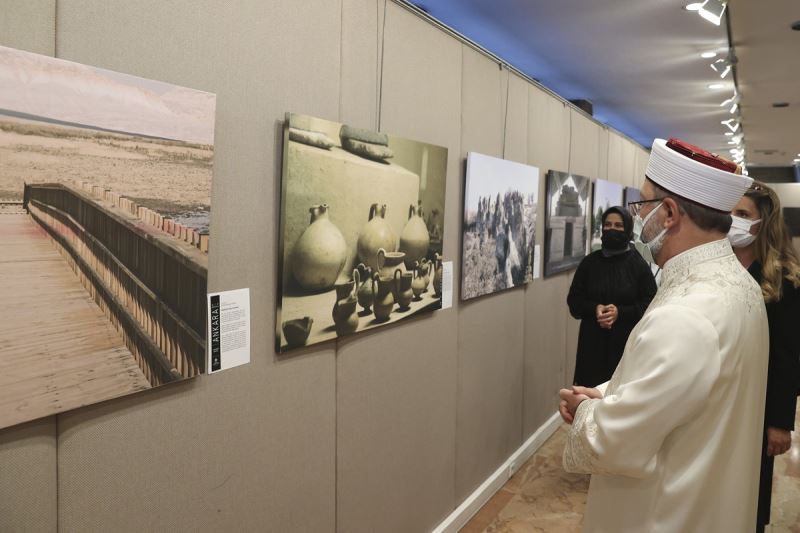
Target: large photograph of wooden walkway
{"x":105,"y":198}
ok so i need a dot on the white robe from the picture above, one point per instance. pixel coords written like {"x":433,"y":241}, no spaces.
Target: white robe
{"x":674,"y":445}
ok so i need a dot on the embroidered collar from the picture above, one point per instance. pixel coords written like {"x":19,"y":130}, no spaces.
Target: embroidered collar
{"x":679,"y":267}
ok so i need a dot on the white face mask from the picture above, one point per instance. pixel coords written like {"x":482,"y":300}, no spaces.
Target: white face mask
{"x":739,"y":234}
{"x":651,"y":248}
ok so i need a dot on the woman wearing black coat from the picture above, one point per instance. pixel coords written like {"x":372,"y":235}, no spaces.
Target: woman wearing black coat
{"x":609,"y":294}
{"x":761,"y":242}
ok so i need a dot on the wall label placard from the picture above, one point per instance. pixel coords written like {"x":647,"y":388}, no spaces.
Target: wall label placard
{"x":228,"y":329}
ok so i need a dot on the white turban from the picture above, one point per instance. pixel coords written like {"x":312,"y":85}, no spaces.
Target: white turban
{"x":694,"y":180}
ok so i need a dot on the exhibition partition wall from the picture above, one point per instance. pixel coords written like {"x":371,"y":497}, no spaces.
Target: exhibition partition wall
{"x":389,"y":430}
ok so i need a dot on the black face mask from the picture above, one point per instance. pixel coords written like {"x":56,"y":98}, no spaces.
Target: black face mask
{"x":614,"y":239}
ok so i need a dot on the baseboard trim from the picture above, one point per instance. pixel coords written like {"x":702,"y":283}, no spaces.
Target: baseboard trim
{"x":495,"y":482}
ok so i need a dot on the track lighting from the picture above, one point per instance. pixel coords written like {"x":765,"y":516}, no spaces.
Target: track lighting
{"x":712,"y":11}
{"x":722,"y":66}
{"x":731,"y":103}
{"x":732,"y":124}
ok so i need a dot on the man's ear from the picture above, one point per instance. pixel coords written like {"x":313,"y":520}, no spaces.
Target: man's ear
{"x":672,"y":212}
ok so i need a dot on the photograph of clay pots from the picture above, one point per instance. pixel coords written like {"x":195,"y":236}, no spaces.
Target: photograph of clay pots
{"x":566,"y":225}
{"x":361,"y":227}
{"x":606,"y":194}
{"x":499,"y":232}
{"x":105,"y":198}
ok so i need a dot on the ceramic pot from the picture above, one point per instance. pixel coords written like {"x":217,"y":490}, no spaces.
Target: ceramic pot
{"x":437,"y":277}
{"x":376,"y":234}
{"x":425,"y":272}
{"x":418,"y":285}
{"x":388,"y":262}
{"x":414,"y":240}
{"x":364,"y":294}
{"x":383,"y":287}
{"x":402,"y":289}
{"x":346,"y":316}
{"x":319,"y":253}
{"x":296,"y":331}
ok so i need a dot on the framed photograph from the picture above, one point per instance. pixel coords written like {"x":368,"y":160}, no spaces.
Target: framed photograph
{"x":566,"y":221}
{"x":105,"y":179}
{"x":499,"y":233}
{"x":632,"y":194}
{"x":606,"y":194}
{"x":791,"y":215}
{"x":361,"y":226}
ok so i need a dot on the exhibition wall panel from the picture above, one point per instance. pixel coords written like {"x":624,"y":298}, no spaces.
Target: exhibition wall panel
{"x":396,"y":391}
{"x":545,"y":299}
{"x":491,"y":329}
{"x":252,"y":448}
{"x":28,"y":494}
{"x":386,"y":431}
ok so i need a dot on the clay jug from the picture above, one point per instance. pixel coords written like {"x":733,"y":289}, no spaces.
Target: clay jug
{"x":319,"y":253}
{"x":425,"y":271}
{"x":414,"y":240}
{"x":402,"y":289}
{"x":437,"y":277}
{"x":365,"y":294}
{"x":388,"y":262}
{"x":344,"y":291}
{"x":384,"y":299}
{"x":296,"y":331}
{"x":346,"y":317}
{"x":418,"y":283}
{"x":376,"y":234}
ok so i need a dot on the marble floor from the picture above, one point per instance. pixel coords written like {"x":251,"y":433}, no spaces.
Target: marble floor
{"x":541,"y":497}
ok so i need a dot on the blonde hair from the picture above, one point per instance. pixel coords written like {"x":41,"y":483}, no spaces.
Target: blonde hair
{"x":773,"y":245}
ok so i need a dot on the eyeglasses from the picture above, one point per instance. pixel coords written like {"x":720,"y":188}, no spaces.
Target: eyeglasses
{"x":634,"y":208}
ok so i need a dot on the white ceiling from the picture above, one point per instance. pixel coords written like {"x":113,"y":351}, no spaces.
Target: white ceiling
{"x":639,"y":62}
{"x":769,"y":71}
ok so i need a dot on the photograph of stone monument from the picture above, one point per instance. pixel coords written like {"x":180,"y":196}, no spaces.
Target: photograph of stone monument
{"x":361,"y":225}
{"x":499,"y":232}
{"x":632,"y":194}
{"x":566,"y":227}
{"x":606,"y":194}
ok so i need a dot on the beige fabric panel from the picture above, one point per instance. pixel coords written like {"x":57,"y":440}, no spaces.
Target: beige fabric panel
{"x":545,"y":299}
{"x":252,"y":448}
{"x":361,"y":40}
{"x":28,"y":25}
{"x":396,"y":399}
{"x":628,"y":162}
{"x":640,"y":166}
{"x":602,"y":154}
{"x":584,"y":154}
{"x":516,"y":119}
{"x":28,"y":499}
{"x":615,"y":173}
{"x":28,"y":473}
{"x":490,"y":328}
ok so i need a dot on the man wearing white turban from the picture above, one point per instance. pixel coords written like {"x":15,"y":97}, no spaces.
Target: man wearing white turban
{"x":673,"y":440}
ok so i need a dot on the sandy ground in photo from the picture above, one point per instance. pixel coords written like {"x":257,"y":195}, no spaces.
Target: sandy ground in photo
{"x":171,"y":177}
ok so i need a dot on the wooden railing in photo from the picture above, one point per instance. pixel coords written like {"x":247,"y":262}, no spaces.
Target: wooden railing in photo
{"x":150,"y":284}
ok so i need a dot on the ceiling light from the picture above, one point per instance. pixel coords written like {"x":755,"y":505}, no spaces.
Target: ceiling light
{"x":722,"y":66}
{"x":712,"y":11}
{"x":717,"y":86}
{"x":694,"y":6}
{"x":728,"y":133}
{"x":732,"y":124}
{"x":733,"y":102}
{"x":708,"y":55}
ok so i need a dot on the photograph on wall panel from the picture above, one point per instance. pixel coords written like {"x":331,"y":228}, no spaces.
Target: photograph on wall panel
{"x":361,"y":225}
{"x":632,"y":194}
{"x":566,"y":232}
{"x":606,"y":194}
{"x":499,"y":233}
{"x":105,"y":198}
